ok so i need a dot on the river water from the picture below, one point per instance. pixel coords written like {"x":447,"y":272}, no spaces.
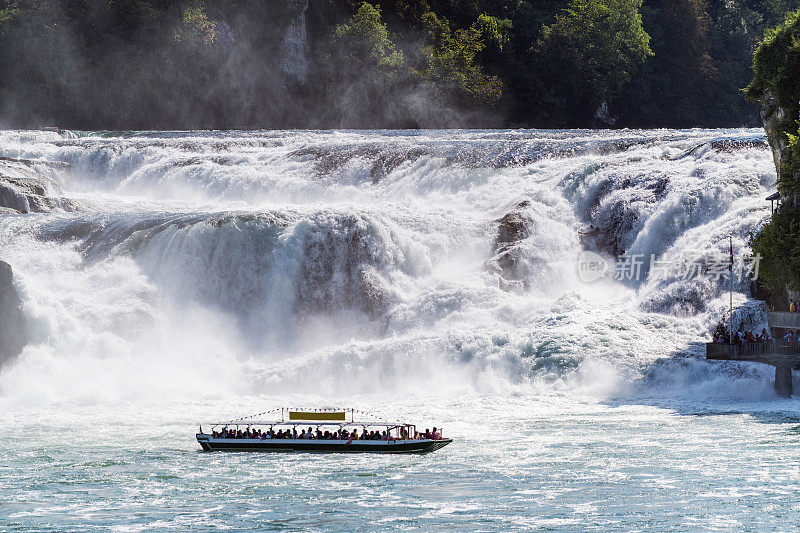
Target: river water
{"x":201,"y":276}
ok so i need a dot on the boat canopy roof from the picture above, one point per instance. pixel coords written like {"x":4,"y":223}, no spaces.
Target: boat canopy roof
{"x":313,"y":417}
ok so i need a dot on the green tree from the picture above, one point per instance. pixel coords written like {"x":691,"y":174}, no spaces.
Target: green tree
{"x":365,"y":40}
{"x":7,"y":14}
{"x":362,"y":72}
{"x":668,"y":90}
{"x":450,"y":59}
{"x":587,"y":54}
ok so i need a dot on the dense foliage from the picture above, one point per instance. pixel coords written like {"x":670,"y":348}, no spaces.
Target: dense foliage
{"x":392,"y":63}
{"x":777,"y":73}
{"x":592,"y":48}
{"x":778,"y":243}
{"x":776,"y":65}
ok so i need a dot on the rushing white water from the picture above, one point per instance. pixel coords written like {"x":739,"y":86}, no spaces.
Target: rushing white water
{"x":208,"y":275}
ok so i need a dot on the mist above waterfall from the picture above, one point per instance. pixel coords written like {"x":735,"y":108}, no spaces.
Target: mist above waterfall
{"x":203,"y":65}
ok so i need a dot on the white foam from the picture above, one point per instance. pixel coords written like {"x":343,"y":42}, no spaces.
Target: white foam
{"x":229,"y":263}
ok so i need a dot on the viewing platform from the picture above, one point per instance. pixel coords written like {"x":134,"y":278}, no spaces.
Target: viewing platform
{"x":770,"y":353}
{"x":784,"y":320}
{"x":783,"y":356}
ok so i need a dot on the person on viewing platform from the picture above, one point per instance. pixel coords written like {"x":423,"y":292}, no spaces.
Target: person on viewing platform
{"x":792,"y":306}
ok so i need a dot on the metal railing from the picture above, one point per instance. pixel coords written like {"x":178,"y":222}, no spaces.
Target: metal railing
{"x":784,"y":320}
{"x":751,"y":350}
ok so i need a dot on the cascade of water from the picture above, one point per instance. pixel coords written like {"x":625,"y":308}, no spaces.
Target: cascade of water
{"x":201,"y":261}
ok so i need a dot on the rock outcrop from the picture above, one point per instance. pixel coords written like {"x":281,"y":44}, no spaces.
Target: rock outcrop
{"x":615,"y":208}
{"x":13,"y":335}
{"x":512,"y":229}
{"x":774,"y":116}
{"x":294,"y":44}
{"x":24,"y":190}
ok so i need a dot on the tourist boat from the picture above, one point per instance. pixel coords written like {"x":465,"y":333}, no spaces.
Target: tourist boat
{"x":400,"y":437}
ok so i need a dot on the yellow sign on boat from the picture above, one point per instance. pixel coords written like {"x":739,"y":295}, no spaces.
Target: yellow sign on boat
{"x":309,"y":415}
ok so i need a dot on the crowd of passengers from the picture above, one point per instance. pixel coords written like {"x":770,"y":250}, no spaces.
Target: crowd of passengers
{"x":792,"y":338}
{"x":740,"y":337}
{"x":318,"y":434}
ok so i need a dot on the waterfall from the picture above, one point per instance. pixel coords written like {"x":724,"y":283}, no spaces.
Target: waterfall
{"x":214,"y":262}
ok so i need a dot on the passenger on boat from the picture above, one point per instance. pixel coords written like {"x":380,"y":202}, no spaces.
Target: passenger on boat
{"x":312,"y":434}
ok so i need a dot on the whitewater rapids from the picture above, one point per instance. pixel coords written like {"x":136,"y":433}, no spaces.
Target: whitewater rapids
{"x":202,"y":275}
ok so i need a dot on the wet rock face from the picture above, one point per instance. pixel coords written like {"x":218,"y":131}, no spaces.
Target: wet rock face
{"x":12,"y":323}
{"x":23,"y":190}
{"x":616,"y":209}
{"x":513,"y":228}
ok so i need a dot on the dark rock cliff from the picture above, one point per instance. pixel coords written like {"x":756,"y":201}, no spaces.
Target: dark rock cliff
{"x":774,"y":117}
{"x":13,"y":335}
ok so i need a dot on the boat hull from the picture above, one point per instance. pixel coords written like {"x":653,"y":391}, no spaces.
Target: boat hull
{"x":212,"y":444}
